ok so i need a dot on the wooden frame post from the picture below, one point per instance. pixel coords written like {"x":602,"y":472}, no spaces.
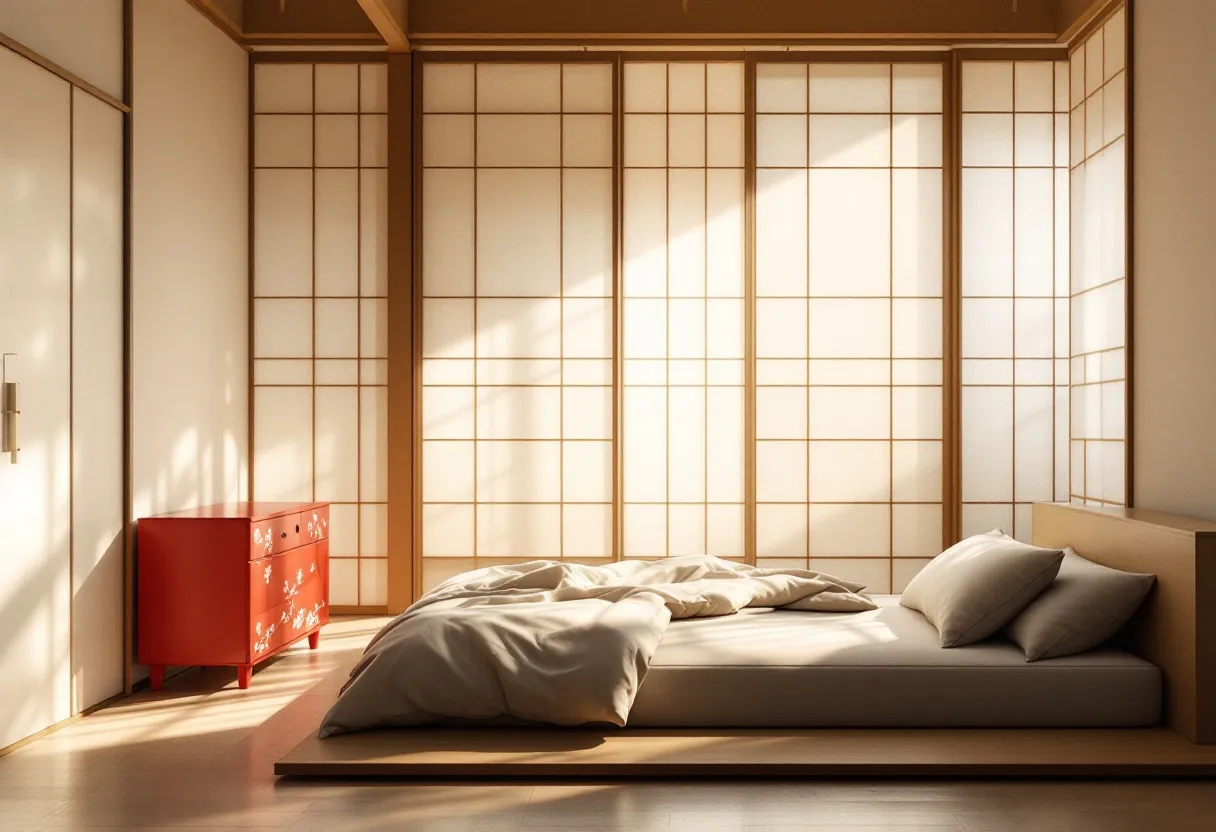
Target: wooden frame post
{"x":401,"y":382}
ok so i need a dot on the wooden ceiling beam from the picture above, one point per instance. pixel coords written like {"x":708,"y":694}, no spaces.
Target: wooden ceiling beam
{"x":226,"y":15}
{"x":1074,"y":16}
{"x":391,"y":19}
{"x":758,"y":20}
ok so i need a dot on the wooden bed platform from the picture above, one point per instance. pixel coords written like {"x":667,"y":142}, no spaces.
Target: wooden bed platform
{"x":1175,"y":630}
{"x":529,"y":753}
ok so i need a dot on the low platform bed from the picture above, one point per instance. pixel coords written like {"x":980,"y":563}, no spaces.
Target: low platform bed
{"x":767,"y":668}
{"x":831,"y":680}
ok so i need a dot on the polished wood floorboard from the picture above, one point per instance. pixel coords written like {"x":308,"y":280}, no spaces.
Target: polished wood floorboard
{"x":199,"y":755}
{"x":757,"y":752}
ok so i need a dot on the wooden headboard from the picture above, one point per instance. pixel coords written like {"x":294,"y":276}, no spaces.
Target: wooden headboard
{"x":1176,"y":627}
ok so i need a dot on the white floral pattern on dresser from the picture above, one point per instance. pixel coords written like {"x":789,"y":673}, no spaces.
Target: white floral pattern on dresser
{"x":317,"y":527}
{"x":298,"y":620}
{"x":264,"y":539}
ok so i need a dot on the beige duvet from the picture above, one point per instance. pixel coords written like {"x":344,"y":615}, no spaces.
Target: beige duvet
{"x":554,"y":642}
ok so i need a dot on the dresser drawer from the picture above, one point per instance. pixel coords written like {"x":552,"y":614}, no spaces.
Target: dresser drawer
{"x":275,"y":580}
{"x":314,"y":525}
{"x":275,"y":535}
{"x":305,"y":611}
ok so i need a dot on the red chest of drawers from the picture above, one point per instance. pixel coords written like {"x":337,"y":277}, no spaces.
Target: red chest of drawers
{"x":230,"y":584}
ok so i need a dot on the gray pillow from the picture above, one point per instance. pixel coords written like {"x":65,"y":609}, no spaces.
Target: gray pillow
{"x":978,"y":585}
{"x":1086,"y":605}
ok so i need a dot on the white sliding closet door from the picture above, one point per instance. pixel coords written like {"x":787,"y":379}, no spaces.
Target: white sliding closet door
{"x":683,"y":309}
{"x":517,"y":313}
{"x":1015,"y":307}
{"x":97,"y":401}
{"x":848,"y":318}
{"x":35,"y":323}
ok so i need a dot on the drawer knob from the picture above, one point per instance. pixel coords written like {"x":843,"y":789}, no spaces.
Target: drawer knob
{"x":283,"y":535}
{"x":297,"y":528}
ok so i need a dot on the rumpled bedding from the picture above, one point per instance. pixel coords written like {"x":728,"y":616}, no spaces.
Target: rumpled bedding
{"x":554,"y":642}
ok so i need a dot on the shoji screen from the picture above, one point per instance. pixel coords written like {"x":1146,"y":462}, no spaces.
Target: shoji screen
{"x":848,"y":318}
{"x":1015,"y":314}
{"x":319,"y":338}
{"x":1099,"y":265}
{"x":682,"y":301}
{"x":517,"y":313}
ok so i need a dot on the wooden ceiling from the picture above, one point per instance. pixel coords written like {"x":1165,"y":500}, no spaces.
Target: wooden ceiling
{"x":399,"y":25}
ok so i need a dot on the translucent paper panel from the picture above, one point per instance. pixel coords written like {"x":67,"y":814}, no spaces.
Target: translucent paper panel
{"x":519,"y":232}
{"x":282,"y":141}
{"x":683,"y":315}
{"x":448,"y":88}
{"x":336,"y":444}
{"x":587,"y":88}
{"x":282,"y":232}
{"x":282,"y":328}
{"x":848,"y":316}
{"x":849,"y":232}
{"x":318,"y":318}
{"x":373,"y":88}
{"x":282,"y":460}
{"x":518,"y":88}
{"x":1015,"y":283}
{"x":337,"y":141}
{"x":448,"y":221}
{"x":850,"y":88}
{"x":518,"y":319}
{"x":1097,"y":328}
{"x":282,"y":88}
{"x":336,"y":233}
{"x":523,"y":141}
{"x":337,"y":88}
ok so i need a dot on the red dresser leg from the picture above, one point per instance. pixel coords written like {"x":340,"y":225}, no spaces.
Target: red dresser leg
{"x":156,"y":676}
{"x":314,"y":639}
{"x":244,"y":673}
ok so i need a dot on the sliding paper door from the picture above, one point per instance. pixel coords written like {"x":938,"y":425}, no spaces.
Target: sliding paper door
{"x":683,"y":312}
{"x":848,"y":318}
{"x":320,"y":342}
{"x":1099,"y":266}
{"x":517,"y":313}
{"x":1015,"y":308}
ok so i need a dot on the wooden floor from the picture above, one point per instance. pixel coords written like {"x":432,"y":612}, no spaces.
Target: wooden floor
{"x":199,"y":755}
{"x":530,"y":752}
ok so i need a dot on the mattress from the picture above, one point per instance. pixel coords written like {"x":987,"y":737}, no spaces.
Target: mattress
{"x":883,"y":668}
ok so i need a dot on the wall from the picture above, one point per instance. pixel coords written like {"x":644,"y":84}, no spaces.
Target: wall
{"x":189,"y":261}
{"x":1174,"y":294}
